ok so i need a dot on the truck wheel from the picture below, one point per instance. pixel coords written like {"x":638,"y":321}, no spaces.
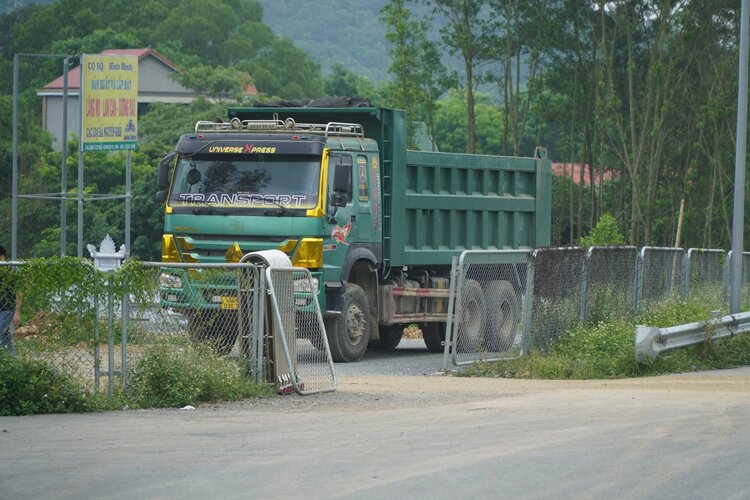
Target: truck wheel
{"x":433,"y":335}
{"x":349,"y":332}
{"x":390,"y":337}
{"x":218,"y":329}
{"x":472,"y":319}
{"x":503,"y":312}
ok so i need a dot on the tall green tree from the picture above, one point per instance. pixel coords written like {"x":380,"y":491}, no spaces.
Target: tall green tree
{"x":466,"y":34}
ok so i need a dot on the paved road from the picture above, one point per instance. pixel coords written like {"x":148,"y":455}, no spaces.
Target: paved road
{"x":403,"y":437}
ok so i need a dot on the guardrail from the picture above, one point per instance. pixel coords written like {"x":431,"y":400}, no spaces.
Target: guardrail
{"x":650,"y":341}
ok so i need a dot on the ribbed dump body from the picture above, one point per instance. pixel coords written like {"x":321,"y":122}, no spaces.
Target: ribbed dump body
{"x":444,"y":203}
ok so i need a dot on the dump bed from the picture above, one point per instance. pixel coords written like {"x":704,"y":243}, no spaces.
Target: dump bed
{"x":436,"y":205}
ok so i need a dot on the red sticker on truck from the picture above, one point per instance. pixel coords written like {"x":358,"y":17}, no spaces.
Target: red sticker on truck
{"x":340,"y":233}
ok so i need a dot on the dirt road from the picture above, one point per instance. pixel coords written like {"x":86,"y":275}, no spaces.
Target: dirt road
{"x":409,"y":437}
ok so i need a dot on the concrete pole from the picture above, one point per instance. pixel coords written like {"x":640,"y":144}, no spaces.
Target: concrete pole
{"x":64,"y":171}
{"x":738,"y":216}
{"x":14,"y":201}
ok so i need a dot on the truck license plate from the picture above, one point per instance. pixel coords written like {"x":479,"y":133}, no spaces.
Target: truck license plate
{"x":229,"y":302}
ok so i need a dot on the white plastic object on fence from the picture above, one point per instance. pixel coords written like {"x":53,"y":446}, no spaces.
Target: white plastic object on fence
{"x":650,"y":340}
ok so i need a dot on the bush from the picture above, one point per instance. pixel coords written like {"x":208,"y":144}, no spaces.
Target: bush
{"x":32,"y":387}
{"x":173,"y":377}
{"x":605,"y":233}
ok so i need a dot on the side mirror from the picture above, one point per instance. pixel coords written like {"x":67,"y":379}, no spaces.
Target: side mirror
{"x":162,"y":180}
{"x":342,"y":182}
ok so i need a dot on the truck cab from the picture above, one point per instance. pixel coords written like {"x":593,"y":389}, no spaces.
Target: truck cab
{"x":310,"y":190}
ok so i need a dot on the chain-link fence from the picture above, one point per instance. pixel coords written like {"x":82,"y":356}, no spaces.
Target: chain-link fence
{"x":96,"y":327}
{"x":491,"y":298}
{"x":610,"y":282}
{"x":559,"y":277}
{"x":661,"y":274}
{"x":180,"y":305}
{"x":570,"y":286}
{"x":303,"y":358}
{"x":60,"y":303}
{"x":705,"y":273}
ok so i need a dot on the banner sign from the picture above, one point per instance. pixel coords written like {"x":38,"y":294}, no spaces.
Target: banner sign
{"x":109,"y":102}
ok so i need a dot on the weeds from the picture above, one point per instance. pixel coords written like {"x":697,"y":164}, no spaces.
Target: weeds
{"x":192,"y":374}
{"x":604,"y":350}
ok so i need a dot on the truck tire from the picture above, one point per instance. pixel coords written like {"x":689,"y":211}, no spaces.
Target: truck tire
{"x":472,"y":319}
{"x":219,"y":329}
{"x":503,"y":313}
{"x":390,"y":337}
{"x":433,"y":335}
{"x":349,"y":332}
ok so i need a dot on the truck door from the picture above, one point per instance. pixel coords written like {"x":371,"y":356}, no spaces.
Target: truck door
{"x":343,"y":230}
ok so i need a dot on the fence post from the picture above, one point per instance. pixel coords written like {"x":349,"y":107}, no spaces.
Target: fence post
{"x":449,"y":324}
{"x":585,"y":287}
{"x":638,"y":288}
{"x":528,"y":306}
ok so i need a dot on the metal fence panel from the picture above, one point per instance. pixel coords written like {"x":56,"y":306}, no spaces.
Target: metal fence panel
{"x":306,"y":364}
{"x":661,"y":274}
{"x":705,"y":274}
{"x":610,"y":282}
{"x":491,"y":317}
{"x":63,"y":331}
{"x":215,"y":309}
{"x":559,"y":275}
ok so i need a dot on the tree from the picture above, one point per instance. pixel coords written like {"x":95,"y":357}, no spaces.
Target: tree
{"x":466,"y":34}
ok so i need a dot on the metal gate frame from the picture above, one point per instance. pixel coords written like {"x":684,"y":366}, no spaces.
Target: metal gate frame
{"x":286,"y":331}
{"x":521,"y":285}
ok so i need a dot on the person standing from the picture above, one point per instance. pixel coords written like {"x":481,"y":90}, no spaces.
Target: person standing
{"x":10,"y":305}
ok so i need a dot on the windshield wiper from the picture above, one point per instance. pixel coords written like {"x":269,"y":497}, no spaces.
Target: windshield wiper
{"x":281,"y":211}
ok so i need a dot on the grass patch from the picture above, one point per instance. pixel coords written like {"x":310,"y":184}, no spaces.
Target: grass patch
{"x":192,"y":374}
{"x":604,"y":350}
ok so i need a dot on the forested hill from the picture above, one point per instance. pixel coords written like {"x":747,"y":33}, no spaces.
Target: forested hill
{"x":330,"y":31}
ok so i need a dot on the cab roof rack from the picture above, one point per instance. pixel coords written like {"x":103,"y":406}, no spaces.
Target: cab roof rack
{"x":335,"y":129}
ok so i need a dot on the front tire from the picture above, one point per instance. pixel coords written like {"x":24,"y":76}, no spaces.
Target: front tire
{"x":349,"y":332}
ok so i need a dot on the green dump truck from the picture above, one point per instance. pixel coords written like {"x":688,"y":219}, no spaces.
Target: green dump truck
{"x":336,"y":189}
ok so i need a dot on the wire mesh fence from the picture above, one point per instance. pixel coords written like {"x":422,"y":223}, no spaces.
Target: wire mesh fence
{"x":661,"y":274}
{"x":61,"y":327}
{"x":179,"y":306}
{"x":491,"y":298}
{"x":705,"y":274}
{"x":303,"y":359}
{"x":610,"y":283}
{"x":559,"y":277}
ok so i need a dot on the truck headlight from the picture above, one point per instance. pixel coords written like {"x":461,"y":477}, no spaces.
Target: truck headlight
{"x":170,"y":281}
{"x":309,"y":254}
{"x":306,"y":285}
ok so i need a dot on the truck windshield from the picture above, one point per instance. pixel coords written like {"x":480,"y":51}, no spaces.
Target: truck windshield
{"x":259,"y":181}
